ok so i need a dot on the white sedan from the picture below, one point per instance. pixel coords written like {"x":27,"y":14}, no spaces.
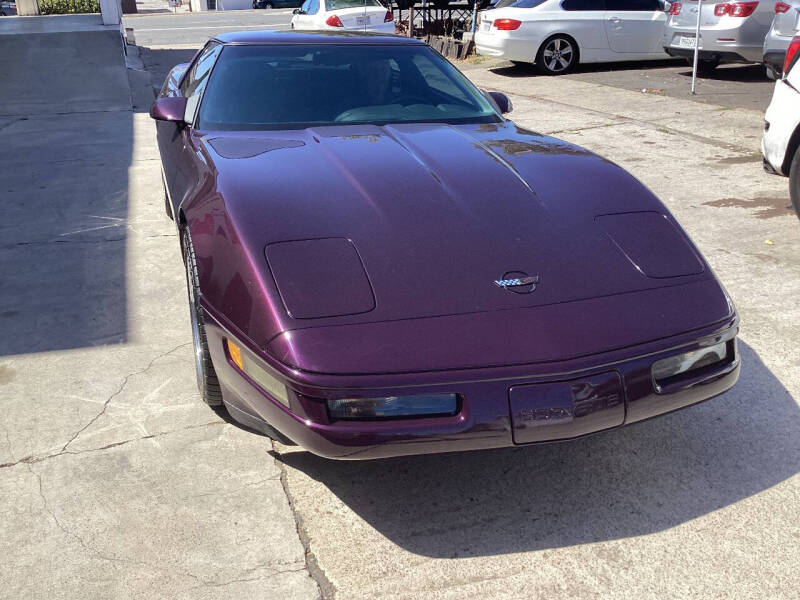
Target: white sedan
{"x":362,"y":15}
{"x":781,"y":142}
{"x":557,"y":34}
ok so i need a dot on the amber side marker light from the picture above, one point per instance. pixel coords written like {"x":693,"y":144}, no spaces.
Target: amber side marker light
{"x":249,"y":367}
{"x":235,"y":353}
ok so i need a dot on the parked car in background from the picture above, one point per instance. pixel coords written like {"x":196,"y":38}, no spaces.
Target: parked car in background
{"x":781,"y":142}
{"x":556,"y":35}
{"x":785,"y":24}
{"x":8,"y":9}
{"x":338,"y":15}
{"x":267,"y":4}
{"x":730,"y":32}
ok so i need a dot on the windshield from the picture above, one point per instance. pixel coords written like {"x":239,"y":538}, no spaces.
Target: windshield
{"x":339,"y":4}
{"x":295,"y":86}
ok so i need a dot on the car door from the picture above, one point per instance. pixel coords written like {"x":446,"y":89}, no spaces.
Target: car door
{"x":176,"y":137}
{"x":635,"y":26}
{"x":583,"y":20}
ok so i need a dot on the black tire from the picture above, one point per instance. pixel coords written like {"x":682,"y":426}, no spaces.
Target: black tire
{"x":558,"y":55}
{"x":404,"y":4}
{"x":441,"y":4}
{"x":268,"y":6}
{"x":207,"y":381}
{"x":794,"y":182}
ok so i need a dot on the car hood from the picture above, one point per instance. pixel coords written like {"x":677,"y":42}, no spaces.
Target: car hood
{"x":365,"y":224}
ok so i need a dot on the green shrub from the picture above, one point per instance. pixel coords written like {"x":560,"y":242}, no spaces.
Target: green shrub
{"x":63,"y":7}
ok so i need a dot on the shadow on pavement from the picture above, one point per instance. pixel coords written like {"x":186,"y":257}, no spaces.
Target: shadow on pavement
{"x":736,"y":73}
{"x":629,"y":482}
{"x":528,"y":70}
{"x":66,"y":132}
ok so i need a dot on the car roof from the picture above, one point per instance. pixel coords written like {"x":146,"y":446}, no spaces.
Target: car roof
{"x":312,"y":37}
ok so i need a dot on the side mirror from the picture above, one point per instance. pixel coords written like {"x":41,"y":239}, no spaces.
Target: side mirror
{"x":503,"y":102}
{"x":169,"y":109}
{"x":298,"y":11}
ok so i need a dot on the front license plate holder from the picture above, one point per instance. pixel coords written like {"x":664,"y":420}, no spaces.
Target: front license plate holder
{"x":542,"y":412}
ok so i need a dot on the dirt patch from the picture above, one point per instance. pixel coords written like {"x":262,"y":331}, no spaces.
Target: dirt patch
{"x":766,"y":207}
{"x":739,"y":160}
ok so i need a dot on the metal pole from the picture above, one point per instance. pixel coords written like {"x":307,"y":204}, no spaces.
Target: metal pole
{"x":474,"y":16}
{"x":696,"y":44}
{"x":411,"y":21}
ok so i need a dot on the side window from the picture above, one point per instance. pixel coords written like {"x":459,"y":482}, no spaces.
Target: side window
{"x":637,"y":5}
{"x":306,"y":5}
{"x":583,"y":5}
{"x":195,"y":81}
{"x":313,"y":7}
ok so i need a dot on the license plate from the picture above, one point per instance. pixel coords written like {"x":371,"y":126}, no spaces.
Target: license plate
{"x":686,"y":41}
{"x":361,"y":20}
{"x":486,"y":25}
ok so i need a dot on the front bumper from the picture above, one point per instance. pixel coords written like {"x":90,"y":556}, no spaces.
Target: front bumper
{"x":511,"y":45}
{"x":500,"y":407}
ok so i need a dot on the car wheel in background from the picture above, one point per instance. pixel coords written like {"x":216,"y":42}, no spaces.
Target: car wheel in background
{"x":794,"y":182}
{"x":207,"y":381}
{"x":440,"y":4}
{"x":268,"y":6}
{"x":404,"y":4}
{"x":557,"y":55}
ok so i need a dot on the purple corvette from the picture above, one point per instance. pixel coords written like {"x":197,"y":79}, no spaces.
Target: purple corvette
{"x":379,"y":263}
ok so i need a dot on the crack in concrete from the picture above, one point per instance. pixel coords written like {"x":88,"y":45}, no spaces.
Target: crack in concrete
{"x":273,"y":573}
{"x":10,"y":123}
{"x":33,"y":459}
{"x":93,"y":551}
{"x":326,"y":588}
{"x":118,"y":392}
{"x":73,"y":241}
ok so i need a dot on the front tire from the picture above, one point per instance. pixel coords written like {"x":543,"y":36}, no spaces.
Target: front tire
{"x":207,"y":381}
{"x":558,"y":55}
{"x":794,"y":182}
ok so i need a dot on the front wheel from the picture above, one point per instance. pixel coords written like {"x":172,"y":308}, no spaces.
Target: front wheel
{"x":557,"y":56}
{"x":207,"y":381}
{"x":794,"y":182}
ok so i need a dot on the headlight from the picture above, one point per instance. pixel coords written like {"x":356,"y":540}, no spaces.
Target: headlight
{"x":255,"y":372}
{"x":423,"y":405}
{"x":717,"y":352}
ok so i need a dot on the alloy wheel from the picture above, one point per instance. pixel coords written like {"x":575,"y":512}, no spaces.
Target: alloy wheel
{"x":558,"y":55}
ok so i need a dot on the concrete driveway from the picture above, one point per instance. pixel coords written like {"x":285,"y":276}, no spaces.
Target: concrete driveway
{"x":117,"y":482}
